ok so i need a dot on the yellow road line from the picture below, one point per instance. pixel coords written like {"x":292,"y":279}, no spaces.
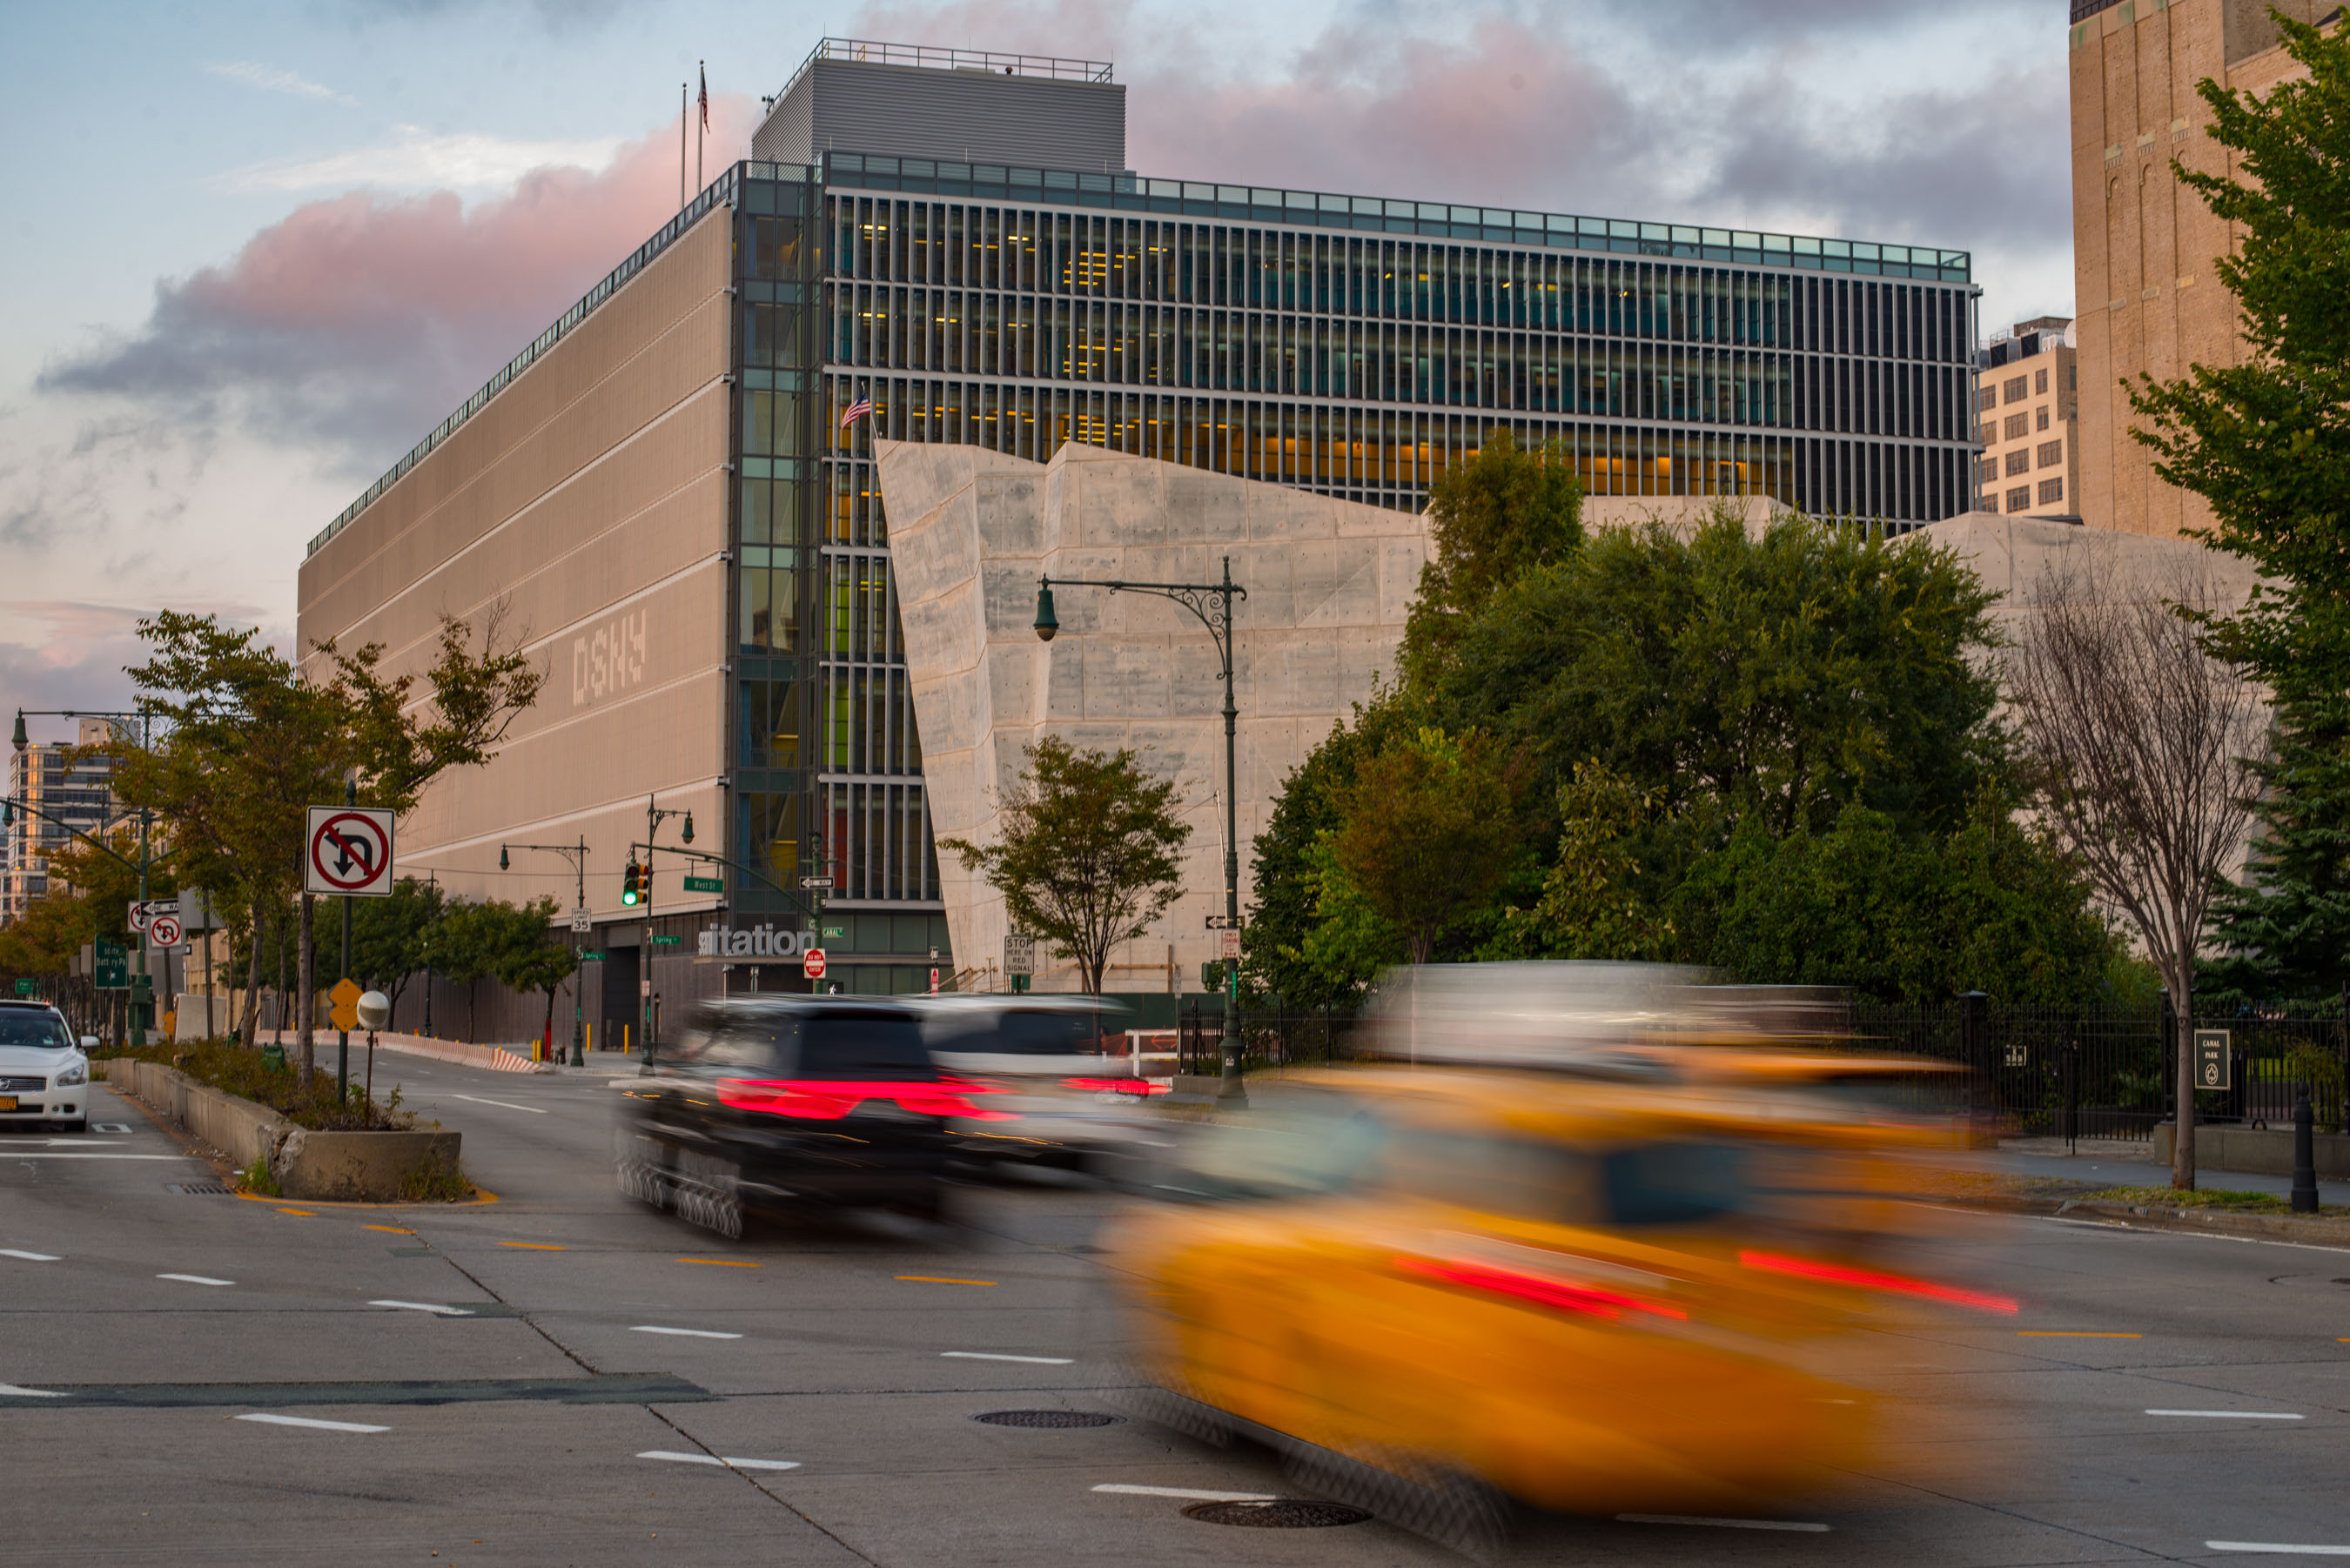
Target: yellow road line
{"x":934,"y":1280}
{"x":395,"y":1229}
{"x":717,"y":1262}
{"x":304,"y":1212}
{"x":536,"y":1246}
{"x":2074,"y":1334}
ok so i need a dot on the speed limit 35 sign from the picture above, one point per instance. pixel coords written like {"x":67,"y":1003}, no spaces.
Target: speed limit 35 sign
{"x":349,"y":852}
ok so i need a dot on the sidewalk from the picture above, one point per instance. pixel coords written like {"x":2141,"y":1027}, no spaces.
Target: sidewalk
{"x":2104,"y":1162}
{"x":497,"y":1058}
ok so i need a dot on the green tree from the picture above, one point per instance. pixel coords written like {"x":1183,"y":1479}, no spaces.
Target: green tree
{"x":1492,"y":519}
{"x":482,"y":941}
{"x":2284,"y":931}
{"x":1291,"y":857}
{"x":1911,"y":918}
{"x":1087,"y":851}
{"x":1600,"y":899}
{"x":2267,"y":443}
{"x":1431,"y":828}
{"x":532,"y":958}
{"x":1776,"y":676}
{"x":390,"y":936}
{"x":250,"y":741}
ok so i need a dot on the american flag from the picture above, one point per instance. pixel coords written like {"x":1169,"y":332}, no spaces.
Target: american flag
{"x":857,"y":410}
{"x":705,"y":98}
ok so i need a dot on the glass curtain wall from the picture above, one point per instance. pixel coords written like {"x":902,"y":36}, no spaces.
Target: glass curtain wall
{"x":1353,"y":365}
{"x":778,"y":648}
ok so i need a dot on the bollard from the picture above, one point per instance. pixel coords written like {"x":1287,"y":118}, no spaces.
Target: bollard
{"x":2304,"y":1154}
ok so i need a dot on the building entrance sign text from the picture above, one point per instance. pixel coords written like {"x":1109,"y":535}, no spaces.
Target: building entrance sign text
{"x":759,"y":941}
{"x":350,"y":852}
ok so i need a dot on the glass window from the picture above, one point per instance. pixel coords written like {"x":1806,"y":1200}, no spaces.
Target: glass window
{"x":862,"y":1045}
{"x":23,"y":1026}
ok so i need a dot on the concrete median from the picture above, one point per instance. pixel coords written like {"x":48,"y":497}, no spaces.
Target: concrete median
{"x":322,"y":1167}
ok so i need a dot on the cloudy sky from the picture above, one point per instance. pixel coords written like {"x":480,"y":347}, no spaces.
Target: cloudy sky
{"x":260,"y":249}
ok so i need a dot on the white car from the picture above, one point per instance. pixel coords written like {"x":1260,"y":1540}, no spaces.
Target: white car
{"x":44,"y":1075}
{"x":1051,"y":1089}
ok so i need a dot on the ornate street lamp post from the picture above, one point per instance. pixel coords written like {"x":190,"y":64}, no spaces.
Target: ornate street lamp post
{"x":1212,"y":604}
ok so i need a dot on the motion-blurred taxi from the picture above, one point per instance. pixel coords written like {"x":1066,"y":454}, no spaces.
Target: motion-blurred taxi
{"x":1639,"y":1278}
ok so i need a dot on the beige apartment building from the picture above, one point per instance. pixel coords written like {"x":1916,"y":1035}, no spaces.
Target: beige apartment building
{"x":2143,"y":242}
{"x":2027,"y":397}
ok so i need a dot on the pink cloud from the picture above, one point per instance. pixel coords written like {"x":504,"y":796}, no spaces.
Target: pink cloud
{"x":359,"y":321}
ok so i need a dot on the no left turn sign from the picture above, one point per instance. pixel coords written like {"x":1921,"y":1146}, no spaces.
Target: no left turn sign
{"x":350,"y":852}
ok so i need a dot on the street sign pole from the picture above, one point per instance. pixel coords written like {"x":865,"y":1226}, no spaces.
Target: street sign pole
{"x":343,"y":1036}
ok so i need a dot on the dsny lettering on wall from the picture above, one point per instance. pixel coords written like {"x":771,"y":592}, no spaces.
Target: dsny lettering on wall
{"x":609,"y":659}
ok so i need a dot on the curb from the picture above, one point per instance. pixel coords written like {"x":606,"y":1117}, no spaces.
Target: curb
{"x":2148,"y":1217}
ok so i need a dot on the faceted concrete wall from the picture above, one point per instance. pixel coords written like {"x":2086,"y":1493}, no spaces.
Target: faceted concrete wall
{"x":1329,"y":583}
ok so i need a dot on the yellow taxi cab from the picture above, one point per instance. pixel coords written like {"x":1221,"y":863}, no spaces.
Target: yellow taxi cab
{"x":1639,"y":1277}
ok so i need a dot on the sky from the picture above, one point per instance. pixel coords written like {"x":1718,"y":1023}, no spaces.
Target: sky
{"x":259,"y":250}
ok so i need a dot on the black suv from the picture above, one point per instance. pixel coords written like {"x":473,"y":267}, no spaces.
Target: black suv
{"x":766,"y":1102}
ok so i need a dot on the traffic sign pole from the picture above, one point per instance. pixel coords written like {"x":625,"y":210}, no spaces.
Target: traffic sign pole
{"x":343,"y":1034}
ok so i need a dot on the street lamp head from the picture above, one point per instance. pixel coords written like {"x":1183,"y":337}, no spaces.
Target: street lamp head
{"x":1047,"y":623}
{"x":18,"y":740}
{"x":688,"y":834}
{"x":501,"y":857}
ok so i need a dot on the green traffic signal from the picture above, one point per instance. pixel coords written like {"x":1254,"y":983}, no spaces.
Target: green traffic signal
{"x":630,"y":892}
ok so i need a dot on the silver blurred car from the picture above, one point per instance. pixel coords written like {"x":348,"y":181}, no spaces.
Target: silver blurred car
{"x":1052,"y":1077}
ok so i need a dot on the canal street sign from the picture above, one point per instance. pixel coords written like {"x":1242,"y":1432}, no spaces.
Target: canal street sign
{"x":2212,"y":1064}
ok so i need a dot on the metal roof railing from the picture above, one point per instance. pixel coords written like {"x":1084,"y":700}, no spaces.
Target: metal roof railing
{"x":869,"y":51}
{"x":1376,"y":214}
{"x":721,"y":191}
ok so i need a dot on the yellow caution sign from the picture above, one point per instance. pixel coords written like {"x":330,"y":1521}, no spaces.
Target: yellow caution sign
{"x":345,"y":998}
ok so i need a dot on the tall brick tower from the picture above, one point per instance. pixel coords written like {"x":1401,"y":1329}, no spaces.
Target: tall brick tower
{"x":2145,"y":297}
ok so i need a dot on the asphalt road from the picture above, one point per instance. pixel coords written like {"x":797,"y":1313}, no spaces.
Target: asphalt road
{"x":555,"y":1423}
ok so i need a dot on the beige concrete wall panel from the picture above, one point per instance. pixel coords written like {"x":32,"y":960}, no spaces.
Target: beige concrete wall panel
{"x":1203,"y":506}
{"x":1011,"y":521}
{"x":1296,"y":676}
{"x":688,"y":279}
{"x":538,"y":784}
{"x":1131,"y":671}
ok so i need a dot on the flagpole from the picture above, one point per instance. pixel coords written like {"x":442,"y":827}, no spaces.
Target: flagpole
{"x":681,"y":111}
{"x":701,"y":125}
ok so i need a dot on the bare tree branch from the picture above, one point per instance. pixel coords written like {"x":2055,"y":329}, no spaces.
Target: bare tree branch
{"x":2140,"y":743}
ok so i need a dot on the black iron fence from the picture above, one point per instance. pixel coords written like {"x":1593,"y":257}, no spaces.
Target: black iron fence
{"x":1270,"y":1037}
{"x":2088,"y":1073}
{"x":2110,"y":1073}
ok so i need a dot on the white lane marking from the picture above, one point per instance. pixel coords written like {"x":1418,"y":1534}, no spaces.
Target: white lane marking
{"x":712,"y":1459}
{"x":2276,"y":1547}
{"x":502,"y":1104}
{"x":2234,"y":1415}
{"x":427,"y":1306}
{"x":1722,"y":1523}
{"x":687,"y":1332}
{"x":27,"y":1154}
{"x":319,"y":1426}
{"x":28,"y":1257}
{"x":13,"y":1391}
{"x":986,"y":1355}
{"x":109,"y":1127}
{"x":196,"y":1278}
{"x":1125,"y":1490}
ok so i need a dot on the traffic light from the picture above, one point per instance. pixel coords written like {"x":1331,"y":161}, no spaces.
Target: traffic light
{"x":632,"y":890}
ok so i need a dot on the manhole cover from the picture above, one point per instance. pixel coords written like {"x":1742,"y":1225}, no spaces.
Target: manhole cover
{"x":200,"y":1189}
{"x":1281,"y":1513}
{"x":1049,"y":1418}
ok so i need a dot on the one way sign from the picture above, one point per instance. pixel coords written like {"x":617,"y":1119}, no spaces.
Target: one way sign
{"x":350,"y":852}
